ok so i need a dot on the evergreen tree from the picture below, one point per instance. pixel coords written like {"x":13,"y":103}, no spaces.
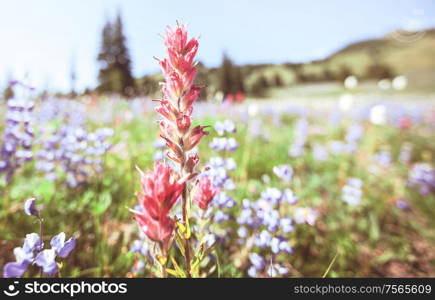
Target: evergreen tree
{"x":230,"y":77}
{"x":106,"y":59}
{"x":225,"y":76}
{"x":122,"y":63}
{"x":115,"y":74}
{"x":277,"y":80}
{"x":238,"y":80}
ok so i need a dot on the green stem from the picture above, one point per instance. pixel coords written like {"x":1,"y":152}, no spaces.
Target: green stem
{"x":186,"y":240}
{"x":41,"y":234}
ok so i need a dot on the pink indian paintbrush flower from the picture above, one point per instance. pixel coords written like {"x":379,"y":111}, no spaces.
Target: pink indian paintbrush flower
{"x":194,"y":137}
{"x":205,"y":192}
{"x":179,"y":93}
{"x":162,"y":188}
{"x":160,"y":191}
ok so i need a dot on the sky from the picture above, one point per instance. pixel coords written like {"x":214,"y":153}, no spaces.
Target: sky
{"x":40,"y":40}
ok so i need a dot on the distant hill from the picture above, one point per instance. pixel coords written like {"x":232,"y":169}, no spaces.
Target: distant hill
{"x":403,"y":53}
{"x":407,"y":54}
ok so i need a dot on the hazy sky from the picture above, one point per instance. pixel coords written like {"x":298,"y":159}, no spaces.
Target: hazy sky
{"x":43,"y":38}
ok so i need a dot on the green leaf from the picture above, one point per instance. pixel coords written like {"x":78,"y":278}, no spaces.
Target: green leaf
{"x":45,"y":190}
{"x":102,"y":205}
{"x":180,"y":244}
{"x":374,"y":232}
{"x":172,"y":272}
{"x":177,"y":268}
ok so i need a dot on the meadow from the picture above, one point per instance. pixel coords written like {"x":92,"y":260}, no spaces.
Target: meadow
{"x":320,"y":185}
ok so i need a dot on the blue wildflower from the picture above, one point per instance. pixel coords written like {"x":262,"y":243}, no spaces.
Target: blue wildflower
{"x":62,"y":248}
{"x":46,"y":259}
{"x":30,"y":207}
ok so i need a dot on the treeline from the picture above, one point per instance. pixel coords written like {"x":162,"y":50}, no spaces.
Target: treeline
{"x":375,"y":71}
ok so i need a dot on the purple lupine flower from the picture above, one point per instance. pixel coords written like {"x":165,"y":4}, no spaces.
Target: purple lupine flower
{"x":276,"y":269}
{"x":287,"y":225}
{"x":69,"y":147}
{"x":242,"y":232}
{"x":422,"y":175}
{"x":230,"y":164}
{"x":296,"y":149}
{"x":263,"y":239}
{"x":285,"y":172}
{"x":158,"y":155}
{"x":246,"y":203}
{"x":246,"y":217}
{"x":139,"y":247}
{"x":257,"y":261}
{"x":300,"y":137}
{"x":159,"y":143}
{"x":222,"y":200}
{"x":32,"y":243}
{"x":220,"y":216}
{"x":46,"y":260}
{"x":305,"y":215}
{"x":337,"y":147}
{"x":226,"y":126}
{"x":18,"y":136}
{"x":279,"y":244}
{"x":352,"y":191}
{"x":220,"y":144}
{"x":30,"y":207}
{"x":403,"y":205}
{"x":354,"y":134}
{"x":320,"y":153}
{"x":274,"y":245}
{"x":24,"y":256}
{"x":14,"y":270}
{"x":272,"y":195}
{"x":289,"y":197}
{"x":252,"y":272}
{"x":232,"y":144}
{"x":62,"y":248}
{"x":229,"y":184}
{"x":263,"y":205}
{"x":383,"y":158}
{"x":271,"y":220}
{"x":216,"y":162}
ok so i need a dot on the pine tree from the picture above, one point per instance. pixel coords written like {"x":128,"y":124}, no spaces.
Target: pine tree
{"x":230,"y":77}
{"x":122,"y":63}
{"x":115,"y":74}
{"x":277,"y":80}
{"x":225,"y":76}
{"x":239,"y":84}
{"x":106,"y":59}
